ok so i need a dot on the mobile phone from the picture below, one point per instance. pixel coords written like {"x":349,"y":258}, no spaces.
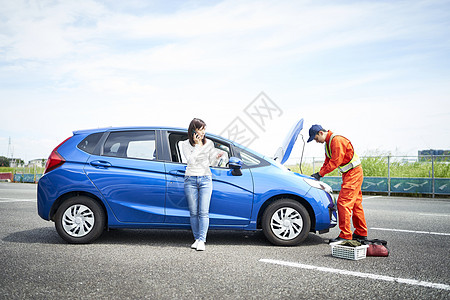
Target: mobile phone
{"x":194,"y":134}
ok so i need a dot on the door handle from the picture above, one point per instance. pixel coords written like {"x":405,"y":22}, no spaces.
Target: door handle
{"x":177,"y":172}
{"x":100,"y":164}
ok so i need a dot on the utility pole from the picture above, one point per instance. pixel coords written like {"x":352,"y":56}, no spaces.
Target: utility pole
{"x":9,"y":147}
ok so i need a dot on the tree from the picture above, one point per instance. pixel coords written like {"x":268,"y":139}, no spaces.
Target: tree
{"x":4,"y":162}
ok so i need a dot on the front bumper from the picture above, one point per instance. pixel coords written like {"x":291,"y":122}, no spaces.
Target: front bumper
{"x":332,"y":209}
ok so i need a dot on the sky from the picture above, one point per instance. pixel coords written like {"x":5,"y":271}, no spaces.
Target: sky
{"x":377,"y":72}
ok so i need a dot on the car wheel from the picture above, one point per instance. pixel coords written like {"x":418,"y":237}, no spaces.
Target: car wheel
{"x":286,"y":222}
{"x":80,"y":220}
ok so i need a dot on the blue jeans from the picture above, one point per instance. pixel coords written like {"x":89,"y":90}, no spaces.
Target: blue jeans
{"x":198,"y":190}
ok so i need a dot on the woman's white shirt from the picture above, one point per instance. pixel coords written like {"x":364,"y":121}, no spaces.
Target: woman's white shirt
{"x":199,"y":158}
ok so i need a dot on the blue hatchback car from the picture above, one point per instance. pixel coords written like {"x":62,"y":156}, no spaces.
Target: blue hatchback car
{"x":133,"y":177}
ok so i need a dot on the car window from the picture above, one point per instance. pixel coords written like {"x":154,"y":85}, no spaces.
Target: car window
{"x":226,"y":154}
{"x":141,"y":149}
{"x":176,"y":139}
{"x":89,"y":143}
{"x":140,"y":144}
{"x":251,"y":160}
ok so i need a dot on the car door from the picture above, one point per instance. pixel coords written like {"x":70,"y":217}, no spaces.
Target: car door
{"x":129,"y":177}
{"x":232,"y":196}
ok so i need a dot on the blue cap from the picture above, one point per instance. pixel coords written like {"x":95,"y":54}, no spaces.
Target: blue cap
{"x":313,"y":131}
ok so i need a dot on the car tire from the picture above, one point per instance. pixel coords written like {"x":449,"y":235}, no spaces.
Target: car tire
{"x":80,"y":220}
{"x":286,"y":222}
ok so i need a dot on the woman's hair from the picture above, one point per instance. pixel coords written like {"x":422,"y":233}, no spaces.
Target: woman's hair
{"x":195,"y":124}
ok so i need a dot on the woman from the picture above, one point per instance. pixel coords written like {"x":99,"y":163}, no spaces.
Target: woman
{"x":200,"y":153}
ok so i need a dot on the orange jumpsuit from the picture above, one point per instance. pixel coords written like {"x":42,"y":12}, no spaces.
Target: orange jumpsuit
{"x":350,"y":196}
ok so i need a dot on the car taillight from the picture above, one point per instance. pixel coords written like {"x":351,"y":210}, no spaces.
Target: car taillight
{"x":55,"y":159}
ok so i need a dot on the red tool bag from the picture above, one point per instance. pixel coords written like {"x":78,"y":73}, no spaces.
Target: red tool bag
{"x":376,"y":247}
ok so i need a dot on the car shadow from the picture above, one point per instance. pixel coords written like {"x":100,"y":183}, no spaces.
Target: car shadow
{"x":175,"y":237}
{"x":180,"y":238}
{"x":155,"y":237}
{"x":44,"y":235}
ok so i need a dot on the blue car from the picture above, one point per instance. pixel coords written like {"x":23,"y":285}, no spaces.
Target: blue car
{"x":133,"y":177}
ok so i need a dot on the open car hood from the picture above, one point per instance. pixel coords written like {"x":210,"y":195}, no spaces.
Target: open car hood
{"x":285,"y":150}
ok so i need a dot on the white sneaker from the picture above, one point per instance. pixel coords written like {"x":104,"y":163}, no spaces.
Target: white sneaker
{"x":195,"y":244}
{"x":201,"y":246}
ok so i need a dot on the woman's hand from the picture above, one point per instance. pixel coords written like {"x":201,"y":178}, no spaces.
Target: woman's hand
{"x":196,"y":138}
{"x":219,"y":155}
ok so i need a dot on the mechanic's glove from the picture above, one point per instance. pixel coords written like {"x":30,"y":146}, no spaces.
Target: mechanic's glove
{"x":316,"y":176}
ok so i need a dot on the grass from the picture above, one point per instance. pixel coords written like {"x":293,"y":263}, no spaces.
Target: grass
{"x":6,"y":170}
{"x":22,"y":170}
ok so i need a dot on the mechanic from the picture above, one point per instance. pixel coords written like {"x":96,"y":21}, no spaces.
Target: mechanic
{"x":339,"y":153}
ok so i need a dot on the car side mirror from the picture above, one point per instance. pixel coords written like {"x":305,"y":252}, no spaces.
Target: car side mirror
{"x":235,"y":164}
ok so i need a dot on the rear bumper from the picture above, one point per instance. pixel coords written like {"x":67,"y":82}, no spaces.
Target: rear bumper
{"x":43,"y":196}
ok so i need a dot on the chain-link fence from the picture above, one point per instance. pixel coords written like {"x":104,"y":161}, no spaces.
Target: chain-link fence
{"x":427,"y":174}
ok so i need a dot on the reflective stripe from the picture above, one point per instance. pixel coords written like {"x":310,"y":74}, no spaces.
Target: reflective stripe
{"x":327,"y":146}
{"x":354,"y":162}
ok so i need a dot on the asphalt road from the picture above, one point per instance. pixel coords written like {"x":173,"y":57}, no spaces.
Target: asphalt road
{"x":158,"y":264}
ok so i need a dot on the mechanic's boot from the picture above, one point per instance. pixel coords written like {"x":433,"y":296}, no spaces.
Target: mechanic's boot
{"x":338,"y":239}
{"x":359,"y":237}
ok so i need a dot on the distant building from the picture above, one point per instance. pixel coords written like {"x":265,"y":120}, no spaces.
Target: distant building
{"x":438,"y":155}
{"x":15,"y":163}
{"x":38,"y":163}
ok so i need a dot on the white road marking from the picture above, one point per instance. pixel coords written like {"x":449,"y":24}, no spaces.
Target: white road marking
{"x":365,"y":198}
{"x":410,"y":231}
{"x":5,"y":200}
{"x":435,"y":215}
{"x":359,"y":274}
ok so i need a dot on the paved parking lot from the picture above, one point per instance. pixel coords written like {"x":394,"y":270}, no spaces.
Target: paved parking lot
{"x":158,"y":264}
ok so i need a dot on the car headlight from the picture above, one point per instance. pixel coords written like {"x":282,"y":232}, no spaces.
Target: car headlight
{"x":319,"y":185}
